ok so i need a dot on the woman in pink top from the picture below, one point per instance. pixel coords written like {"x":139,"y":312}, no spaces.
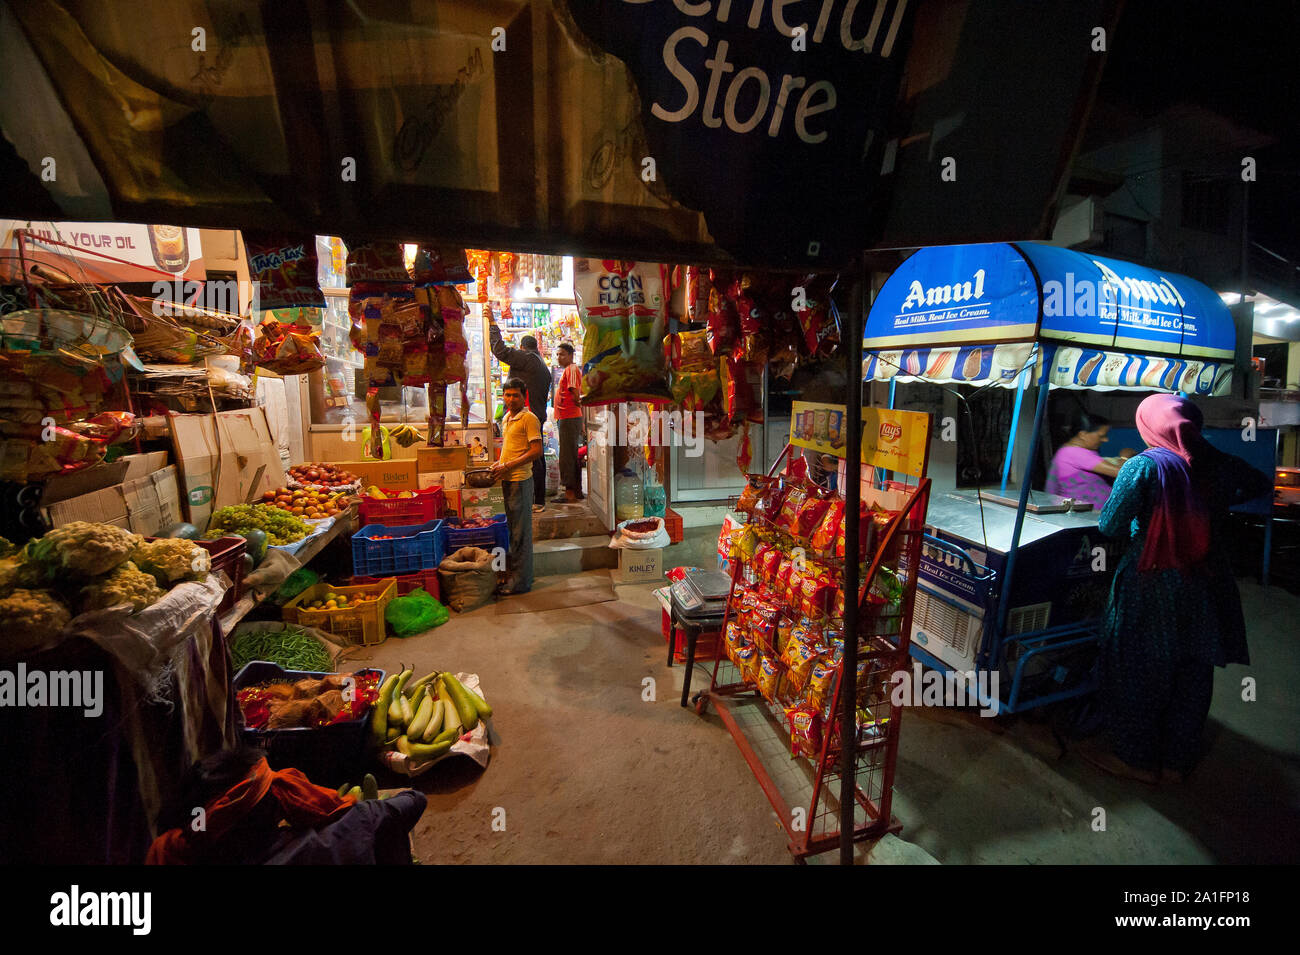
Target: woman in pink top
{"x":1078,"y":471}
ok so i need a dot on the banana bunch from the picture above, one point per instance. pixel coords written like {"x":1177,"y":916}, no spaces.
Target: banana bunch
{"x":405,"y":435}
{"x":422,"y":719}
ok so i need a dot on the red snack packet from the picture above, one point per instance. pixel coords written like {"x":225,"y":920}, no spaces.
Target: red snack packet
{"x":805,"y":730}
{"x":822,"y":539}
{"x":376,"y":262}
{"x":284,"y":268}
{"x":440,"y":265}
{"x":815,"y":505}
{"x":796,"y":468}
{"x":790,"y":505}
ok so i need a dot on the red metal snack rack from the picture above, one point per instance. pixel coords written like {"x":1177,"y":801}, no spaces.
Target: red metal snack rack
{"x":884,"y":630}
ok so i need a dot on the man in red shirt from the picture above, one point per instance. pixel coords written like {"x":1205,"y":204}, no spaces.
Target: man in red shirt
{"x":568,"y":416}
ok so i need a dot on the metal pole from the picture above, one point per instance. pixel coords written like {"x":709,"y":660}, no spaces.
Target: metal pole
{"x":1047,"y":356}
{"x":852,"y":499}
{"x":1021,"y":384}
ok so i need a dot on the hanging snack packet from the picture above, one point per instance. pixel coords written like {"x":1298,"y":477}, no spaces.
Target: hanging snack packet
{"x":805,"y":731}
{"x":480,"y":266}
{"x":284,"y":268}
{"x":822,"y":540}
{"x":815,"y":505}
{"x":376,"y":262}
{"x":746,"y":659}
{"x":722,"y":317}
{"x":440,"y":265}
{"x":819,"y":330}
{"x":794,"y":499}
{"x":690,"y":351}
{"x":754,"y":485}
{"x":821,"y":683}
{"x":769,"y":677}
{"x":623,"y":306}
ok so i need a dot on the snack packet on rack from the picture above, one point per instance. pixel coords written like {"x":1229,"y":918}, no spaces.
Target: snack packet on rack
{"x":754,"y":487}
{"x":805,"y":730}
{"x":746,"y":660}
{"x":816,"y":503}
{"x":821,"y":684}
{"x":786,"y":518}
{"x":769,"y":677}
{"x":823,"y":539}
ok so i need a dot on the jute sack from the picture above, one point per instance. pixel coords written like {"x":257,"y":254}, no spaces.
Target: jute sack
{"x":467,"y":579}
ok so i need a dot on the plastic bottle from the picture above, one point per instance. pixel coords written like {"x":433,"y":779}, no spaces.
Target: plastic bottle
{"x":627,"y":497}
{"x":656,"y":498}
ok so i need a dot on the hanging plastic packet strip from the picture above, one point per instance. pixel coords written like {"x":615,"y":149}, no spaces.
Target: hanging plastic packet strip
{"x":623,"y":306}
{"x":284,"y":268}
{"x":376,"y":262}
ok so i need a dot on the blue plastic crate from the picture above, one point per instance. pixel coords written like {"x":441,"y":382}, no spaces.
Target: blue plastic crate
{"x":454,"y":537}
{"x":411,"y":548}
{"x":329,"y":755}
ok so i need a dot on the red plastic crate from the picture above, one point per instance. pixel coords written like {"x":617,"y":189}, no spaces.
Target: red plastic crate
{"x":673,"y":524}
{"x":227,"y":555}
{"x":428,"y":579}
{"x":708,"y":646}
{"x":429,"y":504}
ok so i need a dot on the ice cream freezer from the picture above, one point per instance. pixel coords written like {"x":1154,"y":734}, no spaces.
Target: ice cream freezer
{"x":1062,"y":580}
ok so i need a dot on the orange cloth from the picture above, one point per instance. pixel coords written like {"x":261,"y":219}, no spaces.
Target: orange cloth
{"x":304,"y":803}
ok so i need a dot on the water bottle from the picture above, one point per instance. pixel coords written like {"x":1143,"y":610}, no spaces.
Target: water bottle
{"x":656,"y":498}
{"x":627,"y":497}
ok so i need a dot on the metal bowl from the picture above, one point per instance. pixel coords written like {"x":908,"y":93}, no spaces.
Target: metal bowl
{"x":479,"y":477}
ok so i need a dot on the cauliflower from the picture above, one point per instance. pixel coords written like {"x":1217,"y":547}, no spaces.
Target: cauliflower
{"x":15,"y":573}
{"x":28,"y":619}
{"x":171,"y":559}
{"x":82,"y":549}
{"x":126,"y":584}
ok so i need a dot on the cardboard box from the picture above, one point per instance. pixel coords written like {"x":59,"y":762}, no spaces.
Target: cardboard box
{"x":224,"y":459}
{"x":142,"y":465}
{"x":63,"y":487}
{"x":167,"y":485}
{"x":470,"y":512}
{"x":395,"y":475}
{"x":106,"y":506}
{"x":454,"y":458}
{"x":449,"y":480}
{"x":484,"y":497}
{"x":640,"y":566}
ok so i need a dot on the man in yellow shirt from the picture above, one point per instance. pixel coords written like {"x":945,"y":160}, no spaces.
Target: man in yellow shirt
{"x":521,"y":444}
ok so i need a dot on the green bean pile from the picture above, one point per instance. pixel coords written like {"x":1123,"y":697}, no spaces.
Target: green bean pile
{"x":292,"y":648}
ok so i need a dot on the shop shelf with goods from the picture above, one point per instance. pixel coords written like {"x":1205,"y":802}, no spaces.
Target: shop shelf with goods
{"x":785,"y":644}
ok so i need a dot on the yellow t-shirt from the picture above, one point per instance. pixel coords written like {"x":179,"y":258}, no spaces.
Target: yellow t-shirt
{"x":517,"y":433}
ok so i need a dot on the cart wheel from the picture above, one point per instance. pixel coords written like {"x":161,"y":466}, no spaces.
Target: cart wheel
{"x":701,"y":702}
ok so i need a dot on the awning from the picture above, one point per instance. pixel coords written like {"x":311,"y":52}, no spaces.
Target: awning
{"x":1029,"y":292}
{"x":776,"y":134}
{"x":1077,"y":368}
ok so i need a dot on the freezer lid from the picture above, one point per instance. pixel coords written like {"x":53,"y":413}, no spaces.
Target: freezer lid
{"x":959,"y":514}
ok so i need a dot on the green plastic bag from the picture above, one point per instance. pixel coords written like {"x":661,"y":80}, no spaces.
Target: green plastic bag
{"x":415,"y":613}
{"x":296,"y":583}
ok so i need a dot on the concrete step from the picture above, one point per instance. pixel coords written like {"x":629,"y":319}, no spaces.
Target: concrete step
{"x":572,"y":555}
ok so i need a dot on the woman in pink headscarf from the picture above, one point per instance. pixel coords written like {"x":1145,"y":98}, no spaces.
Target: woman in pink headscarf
{"x":1174,"y":611}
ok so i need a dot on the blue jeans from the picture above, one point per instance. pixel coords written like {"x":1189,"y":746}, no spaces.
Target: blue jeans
{"x":519,"y":518}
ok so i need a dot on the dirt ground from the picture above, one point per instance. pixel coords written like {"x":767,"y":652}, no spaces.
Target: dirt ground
{"x":585,"y":770}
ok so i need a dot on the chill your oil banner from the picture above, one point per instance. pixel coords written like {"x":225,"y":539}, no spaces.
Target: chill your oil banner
{"x":892,"y":439}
